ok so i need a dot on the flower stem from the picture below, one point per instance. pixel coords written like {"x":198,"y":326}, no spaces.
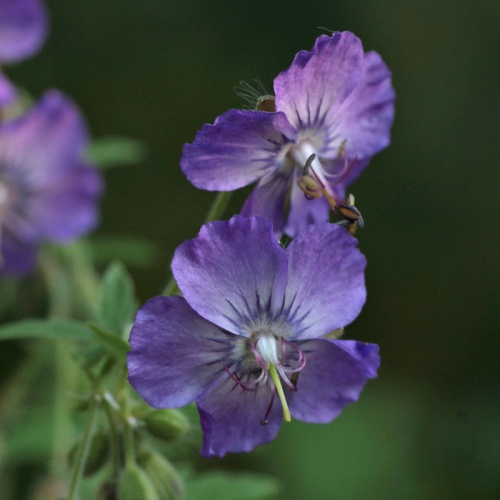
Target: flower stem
{"x":216,"y":210}
{"x":83,"y":452}
{"x":277,"y":382}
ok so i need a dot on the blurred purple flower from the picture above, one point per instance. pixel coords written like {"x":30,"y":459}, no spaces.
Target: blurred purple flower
{"x":47,"y":191}
{"x":23,"y":29}
{"x":8,"y":93}
{"x":248,"y":328}
{"x":336,"y":102}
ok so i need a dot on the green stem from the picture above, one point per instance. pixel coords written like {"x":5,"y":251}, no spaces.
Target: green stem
{"x":128,"y":437}
{"x":83,"y":452}
{"x":216,"y":210}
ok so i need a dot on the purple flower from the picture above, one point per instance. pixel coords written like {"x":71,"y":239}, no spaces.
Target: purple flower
{"x":8,"y":93}
{"x":23,"y":29}
{"x":248,"y":332}
{"x":336,"y":102}
{"x":47,"y":191}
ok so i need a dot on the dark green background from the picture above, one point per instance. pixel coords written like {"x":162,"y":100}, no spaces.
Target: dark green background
{"x":158,"y":69}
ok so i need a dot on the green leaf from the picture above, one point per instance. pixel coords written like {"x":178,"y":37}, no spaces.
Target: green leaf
{"x":115,"y":345}
{"x":246,"y":486}
{"x":52,"y":329}
{"x":116,"y":305}
{"x":131,"y":251}
{"x":114,"y":151}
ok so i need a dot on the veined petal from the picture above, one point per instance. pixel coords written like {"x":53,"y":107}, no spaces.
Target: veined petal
{"x":268,"y":200}
{"x":230,"y":419}
{"x":304,"y":212}
{"x":176,"y":354}
{"x":23,"y":28}
{"x":238,"y":149}
{"x":314,"y":87}
{"x":233,"y":273}
{"x":364,"y":119}
{"x":334,"y":377}
{"x":326,"y":285}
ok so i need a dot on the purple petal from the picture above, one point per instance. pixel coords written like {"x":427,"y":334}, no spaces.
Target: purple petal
{"x":233,"y":273}
{"x":304,"y":212}
{"x":16,"y":256}
{"x":176,"y":354}
{"x":230,"y":419}
{"x":312,"y":90}
{"x":238,"y":149}
{"x":23,"y":28}
{"x":67,"y":207}
{"x":268,"y":200}
{"x":365,"y":118}
{"x":8,"y":93}
{"x":334,"y":376}
{"x":326,"y":284}
{"x":52,"y":135}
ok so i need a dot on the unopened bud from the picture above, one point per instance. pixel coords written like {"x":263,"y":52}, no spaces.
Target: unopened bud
{"x":98,"y":453}
{"x":167,"y":425}
{"x":163,"y":475}
{"x":135,"y":485}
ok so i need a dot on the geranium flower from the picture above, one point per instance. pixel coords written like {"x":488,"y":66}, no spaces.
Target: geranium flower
{"x":47,"y":191}
{"x":23,"y":29}
{"x":336,"y":102}
{"x":249,"y":330}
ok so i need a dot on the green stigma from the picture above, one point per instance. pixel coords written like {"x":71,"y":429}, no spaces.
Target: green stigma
{"x":277,"y":383}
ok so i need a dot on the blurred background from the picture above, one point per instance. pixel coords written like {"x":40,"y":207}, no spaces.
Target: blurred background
{"x":156,"y":70}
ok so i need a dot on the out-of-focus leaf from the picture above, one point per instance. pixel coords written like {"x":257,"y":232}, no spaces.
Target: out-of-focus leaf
{"x":115,"y":151}
{"x":116,"y":306}
{"x":113,"y":344}
{"x":217,"y":485}
{"x":52,"y":329}
{"x":130,"y":251}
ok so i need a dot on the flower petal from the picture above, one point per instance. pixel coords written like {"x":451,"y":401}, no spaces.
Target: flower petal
{"x":67,"y":208}
{"x":326,"y":284}
{"x":268,"y":200}
{"x":238,"y":149}
{"x":16,"y":256}
{"x":304,"y":212}
{"x":311,"y":91}
{"x":230,"y":419}
{"x":23,"y":28}
{"x":176,"y":354}
{"x":365,"y":118}
{"x":8,"y":93}
{"x":233,"y":273}
{"x":334,"y":377}
{"x":51,"y":136}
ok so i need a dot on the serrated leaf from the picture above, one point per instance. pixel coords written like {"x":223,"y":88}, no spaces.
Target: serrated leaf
{"x":245,"y":486}
{"x":113,"y":344}
{"x":115,"y":151}
{"x":116,"y":306}
{"x":51,"y":329}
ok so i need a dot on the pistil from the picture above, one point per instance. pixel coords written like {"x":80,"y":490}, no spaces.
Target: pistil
{"x":277,"y":383}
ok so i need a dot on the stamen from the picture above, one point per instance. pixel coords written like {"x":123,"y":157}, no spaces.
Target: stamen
{"x":265,"y":421}
{"x":234,"y":376}
{"x":277,"y":382}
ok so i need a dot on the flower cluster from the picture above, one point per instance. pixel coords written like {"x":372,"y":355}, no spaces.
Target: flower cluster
{"x":48,"y":192}
{"x":258,"y":322}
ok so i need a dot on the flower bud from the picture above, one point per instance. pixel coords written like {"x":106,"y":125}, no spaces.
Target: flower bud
{"x":135,"y":485}
{"x":98,"y":453}
{"x":163,"y":475}
{"x":167,"y":425}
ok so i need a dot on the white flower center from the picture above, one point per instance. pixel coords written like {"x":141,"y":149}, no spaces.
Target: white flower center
{"x":268,"y":349}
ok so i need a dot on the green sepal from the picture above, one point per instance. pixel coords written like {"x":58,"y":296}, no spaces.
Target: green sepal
{"x":163,"y":475}
{"x":167,"y":425}
{"x":135,"y":484}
